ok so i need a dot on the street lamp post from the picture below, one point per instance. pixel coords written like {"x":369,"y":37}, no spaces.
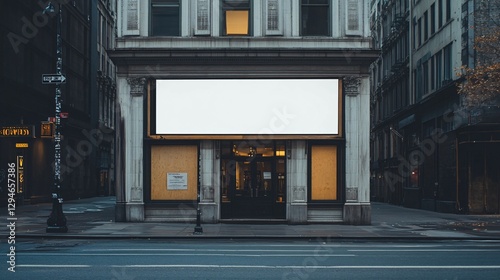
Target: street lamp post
{"x":198,"y":229}
{"x":57,"y":221}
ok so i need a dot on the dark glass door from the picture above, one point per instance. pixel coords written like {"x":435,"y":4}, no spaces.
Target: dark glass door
{"x":253,"y":187}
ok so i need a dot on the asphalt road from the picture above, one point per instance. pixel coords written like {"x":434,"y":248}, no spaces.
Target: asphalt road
{"x":250,"y":259}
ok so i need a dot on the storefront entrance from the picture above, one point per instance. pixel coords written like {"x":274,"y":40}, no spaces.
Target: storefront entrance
{"x":253,"y":183}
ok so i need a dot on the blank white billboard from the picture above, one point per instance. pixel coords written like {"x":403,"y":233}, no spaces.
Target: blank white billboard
{"x":247,"y":106}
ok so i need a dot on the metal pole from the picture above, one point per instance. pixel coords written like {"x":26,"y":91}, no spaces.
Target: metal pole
{"x":57,"y":221}
{"x":198,"y":229}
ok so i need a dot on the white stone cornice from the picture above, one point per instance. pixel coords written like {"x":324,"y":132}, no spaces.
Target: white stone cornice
{"x":347,"y":44}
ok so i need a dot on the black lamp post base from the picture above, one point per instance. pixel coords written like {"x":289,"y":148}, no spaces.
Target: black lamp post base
{"x":57,"y":229}
{"x":198,"y":230}
{"x":56,"y":221}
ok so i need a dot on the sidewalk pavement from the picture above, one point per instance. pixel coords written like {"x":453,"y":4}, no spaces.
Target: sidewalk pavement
{"x":94,"y":218}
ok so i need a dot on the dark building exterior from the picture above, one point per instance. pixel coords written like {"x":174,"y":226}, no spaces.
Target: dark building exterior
{"x":28,"y":50}
{"x":429,"y":150}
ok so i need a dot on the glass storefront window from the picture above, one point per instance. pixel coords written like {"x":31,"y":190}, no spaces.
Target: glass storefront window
{"x":252,"y":149}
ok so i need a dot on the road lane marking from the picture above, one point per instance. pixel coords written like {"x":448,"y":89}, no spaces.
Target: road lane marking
{"x":423,"y":250}
{"x":264,"y":266}
{"x":198,"y":250}
{"x":187,"y":254}
{"x":309,"y":267}
{"x":313,"y":247}
{"x":56,"y":265}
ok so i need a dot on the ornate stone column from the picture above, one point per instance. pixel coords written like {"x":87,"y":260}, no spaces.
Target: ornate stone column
{"x":210,"y":174}
{"x":134,"y":164}
{"x":120,"y":160}
{"x":357,"y":209}
{"x":296,"y":182}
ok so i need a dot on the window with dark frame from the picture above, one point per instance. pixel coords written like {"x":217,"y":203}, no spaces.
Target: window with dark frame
{"x":419,"y":78}
{"x":439,"y":69}
{"x":447,"y":57}
{"x":414,"y":35}
{"x":165,"y":18}
{"x":426,"y":26}
{"x":448,"y":10}
{"x":419,"y":32}
{"x":399,"y":95}
{"x":433,"y":19}
{"x":405,"y":93}
{"x":433,"y":74}
{"x":315,"y":18}
{"x":440,"y":13}
{"x":235,"y":19}
{"x":425,"y":76}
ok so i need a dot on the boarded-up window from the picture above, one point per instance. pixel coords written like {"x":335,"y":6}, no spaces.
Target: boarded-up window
{"x":323,"y":172}
{"x":168,"y":162}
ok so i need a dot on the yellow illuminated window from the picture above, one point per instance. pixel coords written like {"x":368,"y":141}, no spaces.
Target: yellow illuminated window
{"x":236,"y":17}
{"x":237,"y":22}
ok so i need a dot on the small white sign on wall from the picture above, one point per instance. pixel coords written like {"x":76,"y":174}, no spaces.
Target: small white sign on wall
{"x":177,"y":181}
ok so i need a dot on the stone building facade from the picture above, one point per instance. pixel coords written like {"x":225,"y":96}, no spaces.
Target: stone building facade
{"x":249,"y":110}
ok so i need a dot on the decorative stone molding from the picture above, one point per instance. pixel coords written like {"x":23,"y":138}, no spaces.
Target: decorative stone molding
{"x":136,"y":194}
{"x":351,"y":194}
{"x":208,"y":193}
{"x":274,"y":15}
{"x":137,"y":86}
{"x":203,"y":17}
{"x":132,"y":15}
{"x":351,"y":85}
{"x":299,"y":194}
{"x":130,"y":10}
{"x":354,"y":17}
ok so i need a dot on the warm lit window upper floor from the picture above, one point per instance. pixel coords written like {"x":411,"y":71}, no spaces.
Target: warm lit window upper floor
{"x":170,"y":20}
